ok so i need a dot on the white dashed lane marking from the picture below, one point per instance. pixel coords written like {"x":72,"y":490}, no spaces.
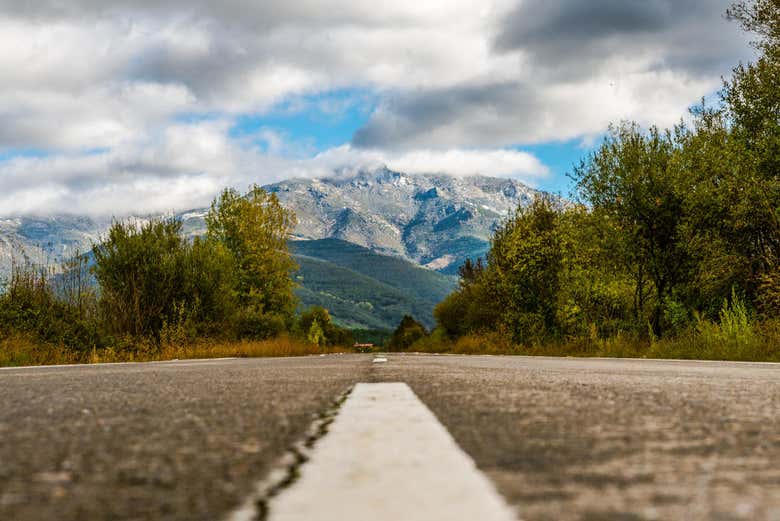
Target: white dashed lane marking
{"x":387,"y":457}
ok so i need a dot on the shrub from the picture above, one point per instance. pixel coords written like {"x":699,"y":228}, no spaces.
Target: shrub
{"x":437,"y":342}
{"x":331,"y":334}
{"x":407,"y":333}
{"x":152,"y":278}
{"x":30,"y":305}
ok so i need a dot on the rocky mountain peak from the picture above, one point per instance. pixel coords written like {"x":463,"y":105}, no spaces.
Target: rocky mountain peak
{"x":432,"y":219}
{"x":435,"y":220}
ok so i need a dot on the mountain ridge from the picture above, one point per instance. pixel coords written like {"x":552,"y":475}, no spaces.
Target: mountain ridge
{"x":434,"y":220}
{"x":372,"y":246}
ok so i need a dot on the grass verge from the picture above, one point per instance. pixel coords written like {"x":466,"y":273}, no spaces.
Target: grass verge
{"x":706,"y":341}
{"x":19,"y":350}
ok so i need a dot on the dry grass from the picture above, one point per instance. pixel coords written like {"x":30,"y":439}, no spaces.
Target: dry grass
{"x":18,"y":350}
{"x":280,"y":346}
{"x":708,"y":341}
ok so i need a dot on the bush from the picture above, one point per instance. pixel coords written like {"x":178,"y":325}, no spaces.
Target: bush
{"x":407,"y":333}
{"x":30,"y":305}
{"x":152,"y":278}
{"x":328,"y":333}
{"x":437,"y":342}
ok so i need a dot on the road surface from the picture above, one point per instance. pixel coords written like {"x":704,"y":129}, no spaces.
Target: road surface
{"x":564,"y":439}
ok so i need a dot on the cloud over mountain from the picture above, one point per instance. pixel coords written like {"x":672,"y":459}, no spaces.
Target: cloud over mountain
{"x":109,"y":103}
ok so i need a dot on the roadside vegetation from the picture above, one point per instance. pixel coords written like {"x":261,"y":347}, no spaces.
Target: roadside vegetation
{"x":146,"y":292}
{"x":671,"y":248}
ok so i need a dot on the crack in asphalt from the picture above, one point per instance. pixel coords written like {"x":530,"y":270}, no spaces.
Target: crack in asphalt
{"x":289,"y":469}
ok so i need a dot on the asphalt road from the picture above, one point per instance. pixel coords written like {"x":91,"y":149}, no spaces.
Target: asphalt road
{"x":560,"y":438}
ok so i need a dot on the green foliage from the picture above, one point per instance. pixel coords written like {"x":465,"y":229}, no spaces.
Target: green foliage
{"x":32,"y":304}
{"x":364,"y":289}
{"x":315,"y":335}
{"x":630,"y":182}
{"x":519,"y":289}
{"x":676,"y":316}
{"x":254,"y":228}
{"x":318,"y":319}
{"x":672,"y":223}
{"x":437,"y":342}
{"x":407,"y":333}
{"x":152,"y":291}
{"x":735,"y":327}
{"x":151,"y":278}
{"x":768,"y":294}
{"x":235,"y":282}
{"x":523,"y":278}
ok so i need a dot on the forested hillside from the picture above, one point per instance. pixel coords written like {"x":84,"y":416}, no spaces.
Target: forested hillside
{"x":364,"y":289}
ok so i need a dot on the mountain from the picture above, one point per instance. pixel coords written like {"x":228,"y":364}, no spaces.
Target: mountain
{"x":46,"y":240}
{"x":434,"y":220}
{"x":364,"y":289}
{"x":369,"y":243}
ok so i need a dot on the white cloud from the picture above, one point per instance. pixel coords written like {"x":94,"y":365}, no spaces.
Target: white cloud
{"x":188,"y":164}
{"x":458,"y":162}
{"x":86,"y":64}
{"x":459,"y":84}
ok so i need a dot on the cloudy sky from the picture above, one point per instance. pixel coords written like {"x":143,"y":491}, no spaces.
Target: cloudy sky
{"x":115,"y":107}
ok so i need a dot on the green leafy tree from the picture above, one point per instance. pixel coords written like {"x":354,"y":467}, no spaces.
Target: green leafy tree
{"x":752,"y":104}
{"x":597,"y":293}
{"x":523,"y":276}
{"x":407,"y":333}
{"x":150,"y":276}
{"x":140,"y":271}
{"x":255,"y":228}
{"x":332,"y":334}
{"x":470,"y":308}
{"x":728,"y":168}
{"x":630,"y":180}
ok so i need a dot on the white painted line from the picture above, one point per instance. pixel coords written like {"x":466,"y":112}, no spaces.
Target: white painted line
{"x":387,"y":457}
{"x":176,"y":361}
{"x":380,"y":360}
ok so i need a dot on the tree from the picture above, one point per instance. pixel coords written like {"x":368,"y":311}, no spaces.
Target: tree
{"x":752,"y":103}
{"x":469,"y":308}
{"x":728,"y":168}
{"x":518,"y":290}
{"x":630,"y":181}
{"x":150,"y":275}
{"x":331,"y":333}
{"x":523,"y":271}
{"x":140,"y":271}
{"x":761,"y":17}
{"x":255,"y":228}
{"x":406,"y":334}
